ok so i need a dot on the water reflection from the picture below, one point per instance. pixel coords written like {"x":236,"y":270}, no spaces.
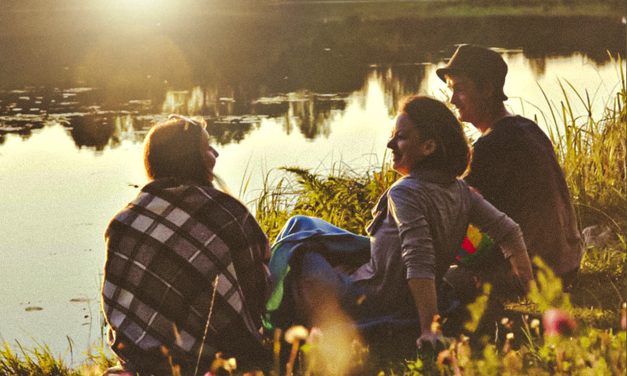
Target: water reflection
{"x":111,"y":90}
{"x":232,"y":115}
{"x":95,"y":131}
{"x":400,"y":81}
{"x":274,"y":93}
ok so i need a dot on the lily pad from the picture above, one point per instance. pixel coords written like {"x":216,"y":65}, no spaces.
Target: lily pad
{"x":79,"y":300}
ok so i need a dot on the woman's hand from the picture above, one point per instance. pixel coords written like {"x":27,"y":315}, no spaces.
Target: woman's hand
{"x":430,"y":342}
{"x":521,"y":266}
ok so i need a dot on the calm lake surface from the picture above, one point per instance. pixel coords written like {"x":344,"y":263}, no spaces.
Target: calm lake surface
{"x":76,"y":102}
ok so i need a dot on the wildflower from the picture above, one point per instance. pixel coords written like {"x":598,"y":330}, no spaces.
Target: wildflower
{"x":508,"y":342}
{"x":229,"y":364}
{"x":535,"y":323}
{"x":436,"y":327}
{"x":535,"y":326}
{"x":557,"y":322}
{"x":296,"y":333}
{"x":623,"y":315}
{"x":444,"y":358}
{"x":315,"y":335}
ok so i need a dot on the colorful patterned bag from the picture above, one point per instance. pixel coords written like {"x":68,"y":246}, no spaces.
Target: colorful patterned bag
{"x":476,"y":247}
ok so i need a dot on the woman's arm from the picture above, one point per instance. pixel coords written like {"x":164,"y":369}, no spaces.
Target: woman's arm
{"x":521,"y":266}
{"x":418,"y":255}
{"x":425,"y":299}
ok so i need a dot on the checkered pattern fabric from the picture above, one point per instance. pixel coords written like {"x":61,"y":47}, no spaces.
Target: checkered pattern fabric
{"x":166,"y":251}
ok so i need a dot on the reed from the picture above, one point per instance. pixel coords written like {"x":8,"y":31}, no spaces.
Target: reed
{"x":40,"y":361}
{"x":342,"y":196}
{"x":592,"y":150}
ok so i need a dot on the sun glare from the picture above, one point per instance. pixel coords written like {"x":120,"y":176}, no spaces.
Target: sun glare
{"x":143,"y":4}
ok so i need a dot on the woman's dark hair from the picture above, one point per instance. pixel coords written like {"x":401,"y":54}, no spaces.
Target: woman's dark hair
{"x":435,"y":121}
{"x":174,"y":149}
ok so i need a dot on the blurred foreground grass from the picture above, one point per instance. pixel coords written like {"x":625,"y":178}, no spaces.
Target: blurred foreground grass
{"x":592,"y":151}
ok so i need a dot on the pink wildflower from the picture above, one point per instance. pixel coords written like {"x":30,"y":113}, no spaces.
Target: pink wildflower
{"x":558,"y":322}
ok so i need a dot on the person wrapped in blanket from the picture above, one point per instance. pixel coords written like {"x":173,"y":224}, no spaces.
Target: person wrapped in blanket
{"x":185,"y":275}
{"x":418,"y":226}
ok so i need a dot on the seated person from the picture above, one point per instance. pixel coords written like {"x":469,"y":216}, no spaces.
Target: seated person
{"x":514,"y":165}
{"x":417,"y":229}
{"x":184,"y":277}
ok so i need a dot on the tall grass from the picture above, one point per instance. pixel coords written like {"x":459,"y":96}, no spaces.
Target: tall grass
{"x":342,"y":196}
{"x":40,"y":361}
{"x":592,"y":150}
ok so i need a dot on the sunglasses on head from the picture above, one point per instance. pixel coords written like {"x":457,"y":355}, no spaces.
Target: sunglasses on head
{"x":188,"y":120}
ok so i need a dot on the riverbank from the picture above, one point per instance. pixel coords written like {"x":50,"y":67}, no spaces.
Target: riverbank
{"x":379,"y":10}
{"x":594,"y":154}
{"x":36,"y":18}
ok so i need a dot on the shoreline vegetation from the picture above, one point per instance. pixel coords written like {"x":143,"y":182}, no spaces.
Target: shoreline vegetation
{"x":585,"y":331}
{"x":592,"y":151}
{"x":338,"y":9}
{"x":41,"y":17}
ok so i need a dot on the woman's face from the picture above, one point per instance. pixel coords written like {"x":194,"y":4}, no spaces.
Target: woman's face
{"x":407,"y":147}
{"x":209,"y":154}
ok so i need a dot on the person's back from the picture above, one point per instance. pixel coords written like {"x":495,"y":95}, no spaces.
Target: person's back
{"x":184,"y":277}
{"x":515,"y":168}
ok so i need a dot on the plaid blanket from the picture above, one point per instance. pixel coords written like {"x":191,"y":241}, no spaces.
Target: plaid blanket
{"x":177,"y":255}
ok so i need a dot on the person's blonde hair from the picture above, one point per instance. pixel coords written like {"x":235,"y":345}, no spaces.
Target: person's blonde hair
{"x":174,"y":149}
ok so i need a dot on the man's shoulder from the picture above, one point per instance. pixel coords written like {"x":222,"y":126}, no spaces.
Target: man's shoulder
{"x":508,"y":131}
{"x":516,"y":126}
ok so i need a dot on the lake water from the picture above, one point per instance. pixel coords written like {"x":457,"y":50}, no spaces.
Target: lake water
{"x":75,"y":104}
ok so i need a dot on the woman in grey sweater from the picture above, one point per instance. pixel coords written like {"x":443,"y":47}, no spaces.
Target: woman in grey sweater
{"x":417,"y":228}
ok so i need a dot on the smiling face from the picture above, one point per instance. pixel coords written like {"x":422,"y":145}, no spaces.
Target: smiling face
{"x":407,"y":146}
{"x":470,"y":99}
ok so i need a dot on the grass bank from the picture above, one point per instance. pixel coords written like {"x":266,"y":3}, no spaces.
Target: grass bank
{"x":592,"y":151}
{"x":378,"y":10}
{"x":584,"y":334}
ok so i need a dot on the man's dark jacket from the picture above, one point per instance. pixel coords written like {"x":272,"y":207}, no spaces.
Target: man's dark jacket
{"x":515,"y":168}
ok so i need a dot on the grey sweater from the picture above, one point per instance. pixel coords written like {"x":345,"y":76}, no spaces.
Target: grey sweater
{"x":418,"y":227}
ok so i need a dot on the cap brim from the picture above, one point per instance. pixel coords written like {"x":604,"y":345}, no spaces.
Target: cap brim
{"x":442,"y":72}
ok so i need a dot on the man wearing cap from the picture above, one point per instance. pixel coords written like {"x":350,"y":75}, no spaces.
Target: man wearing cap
{"x":514,"y":165}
